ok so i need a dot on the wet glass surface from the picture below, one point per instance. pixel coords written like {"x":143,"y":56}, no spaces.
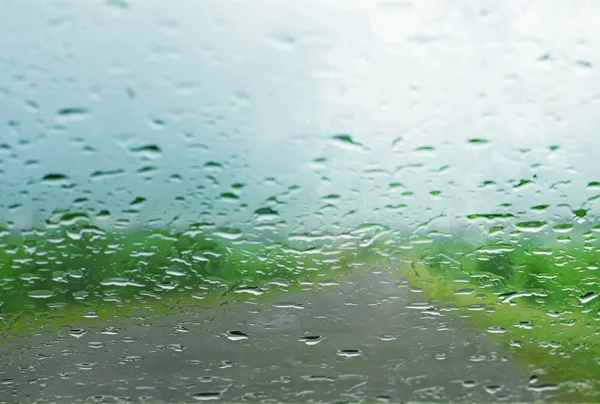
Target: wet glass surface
{"x":327,"y":201}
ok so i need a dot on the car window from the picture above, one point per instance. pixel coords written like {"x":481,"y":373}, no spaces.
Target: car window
{"x":299,"y":201}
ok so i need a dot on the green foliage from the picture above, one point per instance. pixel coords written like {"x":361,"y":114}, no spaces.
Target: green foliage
{"x":80,"y":264}
{"x":565,"y":271}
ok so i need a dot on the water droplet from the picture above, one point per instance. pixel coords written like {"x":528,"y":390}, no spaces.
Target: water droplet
{"x":55,"y":178}
{"x":478,"y":141}
{"x":282,"y":41}
{"x":544,"y":387}
{"x":311,"y":339}
{"x":516,"y":344}
{"x":346,"y":141}
{"x":562,"y":228}
{"x":103,"y":214}
{"x":266,"y":213}
{"x":149,"y":152}
{"x":77,"y":332}
{"x":469,"y":384}
{"x":157,"y":123}
{"x":123,"y":282}
{"x":80,"y":295}
{"x":493,"y":388}
{"x":99,"y":174}
{"x":594,"y":185}
{"x":397,"y":141}
{"x":509,"y":296}
{"x":146,"y":170}
{"x":522,"y":183}
{"x":213,"y":166}
{"x":494,"y":329}
{"x":109,"y":331}
{"x":496,"y":248}
{"x":425,"y":149}
{"x":236,"y":335}
{"x":319,"y":378}
{"x":137,"y":202}
{"x":420,"y":306}
{"x":533,"y":226}
{"x":584,"y":66}
{"x":588,"y":297}
{"x":255,"y":291}
{"x":349,"y":353}
{"x":65,"y":115}
{"x":41,"y":294}
{"x":229,"y":234}
{"x":288,"y":305}
{"x":490,"y":216}
{"x":229,"y":197}
{"x":170,"y":285}
{"x":207,"y":396}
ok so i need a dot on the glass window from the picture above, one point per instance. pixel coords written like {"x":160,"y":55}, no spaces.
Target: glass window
{"x":326,"y":200}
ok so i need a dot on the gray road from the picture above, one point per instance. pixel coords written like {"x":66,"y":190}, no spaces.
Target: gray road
{"x":372,"y":339}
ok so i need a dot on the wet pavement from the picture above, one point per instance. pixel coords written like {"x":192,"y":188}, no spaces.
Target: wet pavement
{"x":367,"y":338}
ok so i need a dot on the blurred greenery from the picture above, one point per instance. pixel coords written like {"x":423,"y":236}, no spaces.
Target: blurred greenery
{"x":534,"y":294}
{"x":69,"y":265}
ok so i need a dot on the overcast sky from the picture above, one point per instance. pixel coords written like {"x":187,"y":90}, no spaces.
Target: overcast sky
{"x":262,"y":88}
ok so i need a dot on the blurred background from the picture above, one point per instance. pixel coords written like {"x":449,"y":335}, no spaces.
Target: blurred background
{"x":330,"y":113}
